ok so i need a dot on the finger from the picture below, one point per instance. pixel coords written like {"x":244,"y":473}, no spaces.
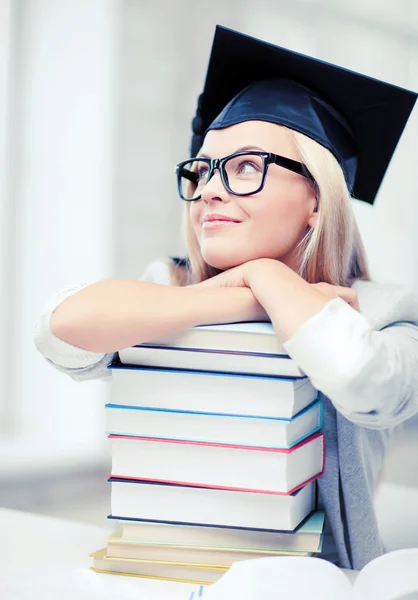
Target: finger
{"x":346,"y":293}
{"x":349,"y":296}
{"x":338,"y":291}
{"x":355,"y":305}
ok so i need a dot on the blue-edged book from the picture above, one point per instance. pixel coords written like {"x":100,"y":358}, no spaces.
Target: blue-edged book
{"x":151,"y":501}
{"x":244,"y":430}
{"x":304,"y":538}
{"x":210,"y":392}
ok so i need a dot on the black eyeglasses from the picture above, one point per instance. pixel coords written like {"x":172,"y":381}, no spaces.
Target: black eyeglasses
{"x":242,"y":174}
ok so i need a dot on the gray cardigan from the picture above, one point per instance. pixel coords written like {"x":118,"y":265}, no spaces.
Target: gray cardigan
{"x":365,"y":366}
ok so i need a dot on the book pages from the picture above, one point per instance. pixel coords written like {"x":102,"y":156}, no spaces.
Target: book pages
{"x":293,"y":578}
{"x":393,"y":576}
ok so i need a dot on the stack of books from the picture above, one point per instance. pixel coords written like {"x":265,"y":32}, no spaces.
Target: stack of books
{"x":216,"y":446}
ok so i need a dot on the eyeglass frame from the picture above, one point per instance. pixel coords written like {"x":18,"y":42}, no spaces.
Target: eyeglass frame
{"x":219,"y":163}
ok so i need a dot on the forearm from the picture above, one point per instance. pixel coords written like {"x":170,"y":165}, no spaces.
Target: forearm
{"x":117,"y":313}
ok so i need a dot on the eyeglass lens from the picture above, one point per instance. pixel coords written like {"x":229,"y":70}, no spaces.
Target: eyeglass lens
{"x":243,"y":175}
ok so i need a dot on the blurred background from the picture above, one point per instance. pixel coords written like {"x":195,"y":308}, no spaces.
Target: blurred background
{"x":96,"y":101}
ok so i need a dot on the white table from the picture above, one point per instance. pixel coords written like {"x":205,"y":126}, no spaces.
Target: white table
{"x":36,"y":541}
{"x":30,"y":541}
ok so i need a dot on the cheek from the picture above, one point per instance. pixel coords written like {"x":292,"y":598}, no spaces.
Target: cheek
{"x":195,"y":213}
{"x":276,"y":211}
{"x":279,"y":220}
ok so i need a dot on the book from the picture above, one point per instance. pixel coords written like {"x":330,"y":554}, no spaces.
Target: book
{"x":305,"y":537}
{"x":266,"y":432}
{"x":234,"y":394}
{"x":254,"y":336}
{"x":392,"y":576}
{"x":210,"y":555}
{"x":229,"y":466}
{"x":155,"y":569}
{"x":143,"y":501}
{"x":220,"y":361}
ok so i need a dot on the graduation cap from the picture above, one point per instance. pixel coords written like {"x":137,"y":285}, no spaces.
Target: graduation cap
{"x":358,"y":118}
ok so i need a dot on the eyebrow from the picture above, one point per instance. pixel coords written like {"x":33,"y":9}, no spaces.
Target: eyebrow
{"x":242,"y":149}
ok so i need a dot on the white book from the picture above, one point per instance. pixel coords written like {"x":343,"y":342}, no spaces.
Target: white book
{"x":210,"y":360}
{"x":216,"y":465}
{"x":215,"y":428}
{"x":306,"y":538}
{"x":155,"y":569}
{"x":221,"y":393}
{"x":149,"y":501}
{"x":392,"y":576}
{"x":203,"y":555}
{"x":254,"y":336}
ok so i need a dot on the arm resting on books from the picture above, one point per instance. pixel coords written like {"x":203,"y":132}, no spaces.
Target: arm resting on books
{"x":370,"y":376}
{"x":76,"y":362}
{"x":118,"y":313}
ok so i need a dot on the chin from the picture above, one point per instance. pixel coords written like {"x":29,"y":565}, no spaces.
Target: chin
{"x":225,"y":258}
{"x":222,"y":265}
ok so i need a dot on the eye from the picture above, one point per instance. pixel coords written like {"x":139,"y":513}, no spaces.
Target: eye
{"x":247,"y":168}
{"x":202,"y":171}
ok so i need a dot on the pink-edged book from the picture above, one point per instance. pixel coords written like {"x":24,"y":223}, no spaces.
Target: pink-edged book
{"x":220,"y":466}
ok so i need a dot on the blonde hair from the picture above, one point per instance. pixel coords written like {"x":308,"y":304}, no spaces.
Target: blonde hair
{"x":332,"y":251}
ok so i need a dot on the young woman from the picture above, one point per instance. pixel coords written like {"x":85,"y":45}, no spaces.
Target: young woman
{"x":270,"y":235}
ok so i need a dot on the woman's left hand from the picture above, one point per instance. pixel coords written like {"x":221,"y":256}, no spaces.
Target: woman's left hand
{"x":287,"y":298}
{"x":241,"y":276}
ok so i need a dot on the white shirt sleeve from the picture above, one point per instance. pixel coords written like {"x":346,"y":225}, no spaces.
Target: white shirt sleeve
{"x":78,"y":363}
{"x":370,"y":376}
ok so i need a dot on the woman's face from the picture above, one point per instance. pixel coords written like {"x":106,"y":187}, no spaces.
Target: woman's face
{"x":268,"y":224}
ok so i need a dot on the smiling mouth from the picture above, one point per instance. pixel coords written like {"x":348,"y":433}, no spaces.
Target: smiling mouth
{"x":219,"y":223}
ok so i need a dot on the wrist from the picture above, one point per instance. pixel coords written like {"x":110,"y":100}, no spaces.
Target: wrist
{"x":264,"y":277}
{"x":221,"y":305}
{"x":286,"y":297}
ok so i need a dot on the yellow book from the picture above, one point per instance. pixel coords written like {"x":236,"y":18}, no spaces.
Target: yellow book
{"x":202,"y":555}
{"x":155,"y":569}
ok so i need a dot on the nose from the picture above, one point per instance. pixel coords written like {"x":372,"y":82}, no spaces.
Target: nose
{"x":214,"y":190}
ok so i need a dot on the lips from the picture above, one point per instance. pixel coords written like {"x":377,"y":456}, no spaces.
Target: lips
{"x":218,"y":222}
{"x":217,"y":217}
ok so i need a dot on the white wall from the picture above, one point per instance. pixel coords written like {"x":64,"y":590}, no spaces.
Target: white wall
{"x":62,"y":199}
{"x":5,"y":79}
{"x":5,"y":58}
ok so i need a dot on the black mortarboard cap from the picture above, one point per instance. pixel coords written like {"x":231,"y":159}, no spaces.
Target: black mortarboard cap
{"x":358,"y":118}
